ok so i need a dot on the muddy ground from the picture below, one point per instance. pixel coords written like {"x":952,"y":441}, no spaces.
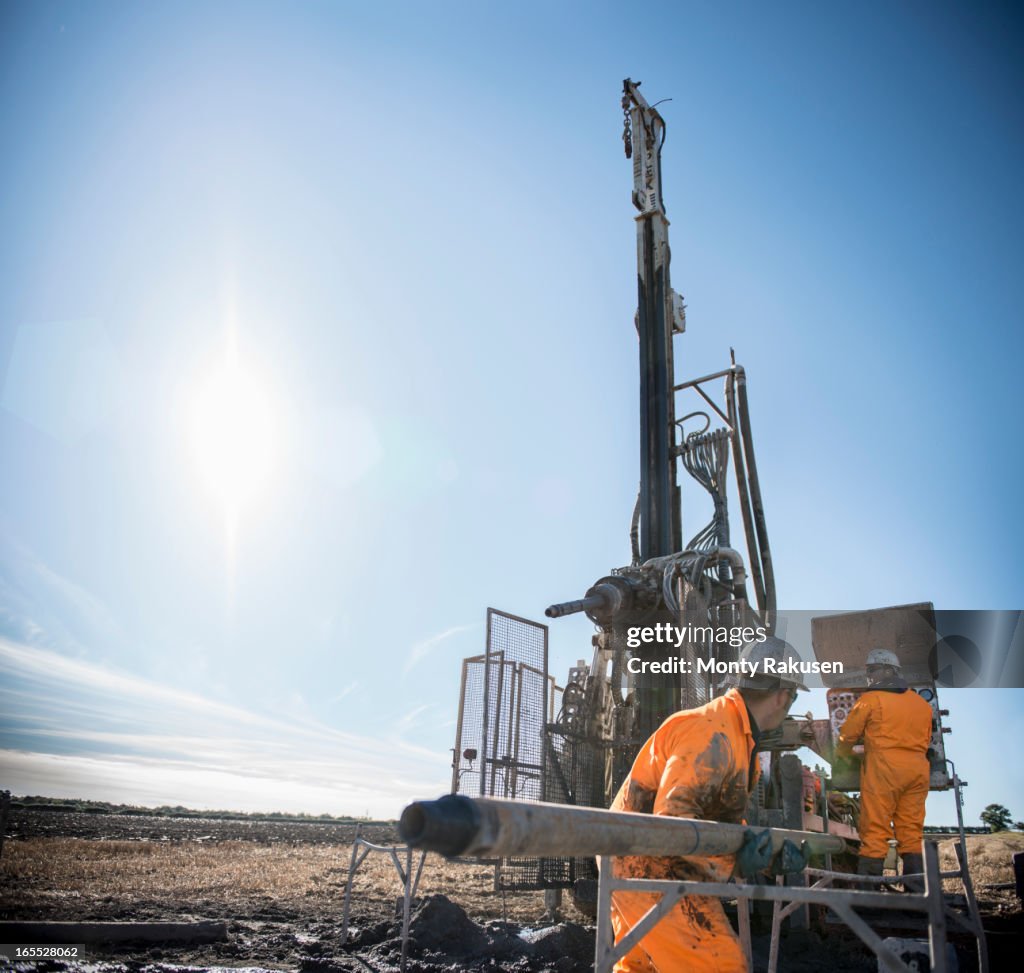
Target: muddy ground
{"x":279,"y":888}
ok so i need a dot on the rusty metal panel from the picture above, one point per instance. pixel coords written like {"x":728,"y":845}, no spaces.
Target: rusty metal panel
{"x":907,"y":630}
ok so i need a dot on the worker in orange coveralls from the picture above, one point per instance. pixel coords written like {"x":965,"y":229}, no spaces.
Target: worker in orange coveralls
{"x":701,"y":763}
{"x":895,"y":725}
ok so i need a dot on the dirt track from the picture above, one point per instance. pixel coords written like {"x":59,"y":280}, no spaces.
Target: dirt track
{"x":279,"y":887}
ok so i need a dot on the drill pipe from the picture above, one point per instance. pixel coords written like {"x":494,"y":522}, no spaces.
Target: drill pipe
{"x":476,"y":826}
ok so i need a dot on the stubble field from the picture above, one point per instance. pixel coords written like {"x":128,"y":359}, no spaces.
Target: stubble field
{"x":279,"y":887}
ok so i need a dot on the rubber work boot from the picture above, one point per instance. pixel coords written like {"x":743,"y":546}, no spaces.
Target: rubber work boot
{"x":870,"y":866}
{"x":913,"y":865}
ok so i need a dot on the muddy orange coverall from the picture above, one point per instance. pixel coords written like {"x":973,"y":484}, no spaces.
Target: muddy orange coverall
{"x":698,"y":764}
{"x":896,"y":728}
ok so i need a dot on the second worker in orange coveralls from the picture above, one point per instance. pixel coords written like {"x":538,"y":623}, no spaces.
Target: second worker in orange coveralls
{"x":700,"y":763}
{"x":896,"y":727}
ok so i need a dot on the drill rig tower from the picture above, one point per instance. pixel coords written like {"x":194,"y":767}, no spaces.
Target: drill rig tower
{"x":700,"y":587}
{"x":693,"y":592}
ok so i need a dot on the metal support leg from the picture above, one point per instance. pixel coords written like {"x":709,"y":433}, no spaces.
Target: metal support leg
{"x":410,"y":883}
{"x":791,"y":776}
{"x":743,"y":919}
{"x":779,"y":912}
{"x":352,"y":866}
{"x":552,"y":905}
{"x":406,"y":903}
{"x":936,"y":908}
{"x":842,"y":901}
{"x":773,"y":949}
{"x":823,"y":783}
{"x":409,"y":886}
{"x":605,"y":934}
{"x":886,"y":956}
{"x":972,"y":907}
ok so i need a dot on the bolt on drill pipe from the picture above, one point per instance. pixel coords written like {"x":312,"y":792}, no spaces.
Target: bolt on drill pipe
{"x":460,"y":825}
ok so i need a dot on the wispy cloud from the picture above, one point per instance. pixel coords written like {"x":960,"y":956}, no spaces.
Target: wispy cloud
{"x":347,"y":691}
{"x":421,"y":649}
{"x":410,"y":719}
{"x":38,"y":606}
{"x":74,"y":728}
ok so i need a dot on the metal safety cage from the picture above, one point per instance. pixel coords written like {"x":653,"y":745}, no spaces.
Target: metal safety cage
{"x":506,"y":701}
{"x":576,"y":774}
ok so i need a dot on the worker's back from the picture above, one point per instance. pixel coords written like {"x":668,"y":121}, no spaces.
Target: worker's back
{"x":894,"y":721}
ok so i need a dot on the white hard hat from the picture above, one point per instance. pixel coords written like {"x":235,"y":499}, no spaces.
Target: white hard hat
{"x":883,"y":657}
{"x":775,"y":664}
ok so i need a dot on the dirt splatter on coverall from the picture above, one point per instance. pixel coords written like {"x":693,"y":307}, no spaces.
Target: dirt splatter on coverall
{"x":698,"y":764}
{"x":896,"y":728}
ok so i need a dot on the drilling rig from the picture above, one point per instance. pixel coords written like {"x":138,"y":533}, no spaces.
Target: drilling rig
{"x":699,"y":588}
{"x":704,"y":595}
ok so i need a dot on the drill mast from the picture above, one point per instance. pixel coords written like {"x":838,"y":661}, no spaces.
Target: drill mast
{"x":660,"y":315}
{"x":699,"y":583}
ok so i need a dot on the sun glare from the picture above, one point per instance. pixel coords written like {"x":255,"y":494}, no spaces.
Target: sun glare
{"x":233,"y":435}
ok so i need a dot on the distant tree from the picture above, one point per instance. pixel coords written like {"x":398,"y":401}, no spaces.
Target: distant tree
{"x":1018,"y":825}
{"x":997,"y":817}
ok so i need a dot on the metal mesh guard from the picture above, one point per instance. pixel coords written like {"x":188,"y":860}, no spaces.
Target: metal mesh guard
{"x":507,"y":700}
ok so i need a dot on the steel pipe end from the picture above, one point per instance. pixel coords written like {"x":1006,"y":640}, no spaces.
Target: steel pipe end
{"x":447,"y":825}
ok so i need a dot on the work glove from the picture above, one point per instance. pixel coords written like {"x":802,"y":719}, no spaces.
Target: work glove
{"x":755,"y":853}
{"x":791,"y":857}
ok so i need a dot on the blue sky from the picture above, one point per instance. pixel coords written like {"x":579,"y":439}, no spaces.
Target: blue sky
{"x":409,"y":226}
